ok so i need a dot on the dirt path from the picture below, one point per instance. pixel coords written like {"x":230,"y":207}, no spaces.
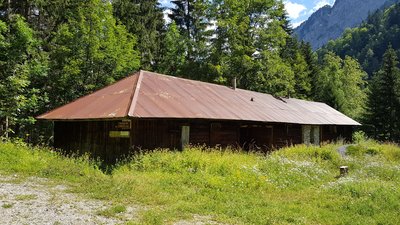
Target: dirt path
{"x":35,"y":201}
{"x":343,"y":150}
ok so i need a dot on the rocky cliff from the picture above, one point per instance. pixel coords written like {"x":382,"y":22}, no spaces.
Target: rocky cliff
{"x":328,"y":22}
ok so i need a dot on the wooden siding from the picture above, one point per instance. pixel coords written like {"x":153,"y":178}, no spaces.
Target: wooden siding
{"x":287,"y":134}
{"x":224,"y":134}
{"x":334,"y":133}
{"x":90,"y":137}
{"x":152,"y":134}
{"x":146,"y":134}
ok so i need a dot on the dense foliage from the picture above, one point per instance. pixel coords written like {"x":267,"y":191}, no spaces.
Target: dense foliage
{"x":23,"y":66}
{"x":54,"y":52}
{"x":368,"y":42}
{"x":144,"y":19}
{"x":340,"y":84}
{"x":296,"y":185}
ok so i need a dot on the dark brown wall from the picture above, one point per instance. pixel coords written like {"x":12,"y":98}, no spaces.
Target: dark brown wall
{"x":151,"y":134}
{"x":287,"y":134}
{"x":334,"y":133}
{"x":90,"y":137}
{"x":93,"y":136}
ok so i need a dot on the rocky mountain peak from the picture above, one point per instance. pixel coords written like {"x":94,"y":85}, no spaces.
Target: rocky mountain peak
{"x":328,"y":23}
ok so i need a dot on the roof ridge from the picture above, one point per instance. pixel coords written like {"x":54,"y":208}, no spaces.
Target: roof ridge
{"x":237,"y":89}
{"x":135,"y":95}
{"x":191,"y":80}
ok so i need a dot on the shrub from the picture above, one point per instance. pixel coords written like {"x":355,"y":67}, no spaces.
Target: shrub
{"x":359,"y":137}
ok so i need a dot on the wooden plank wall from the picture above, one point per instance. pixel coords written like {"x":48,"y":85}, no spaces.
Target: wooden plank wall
{"x":256,"y":137}
{"x":93,"y":136}
{"x":334,"y":133}
{"x":224,"y":134}
{"x":152,"y":134}
{"x":287,"y":134}
{"x":90,"y":137}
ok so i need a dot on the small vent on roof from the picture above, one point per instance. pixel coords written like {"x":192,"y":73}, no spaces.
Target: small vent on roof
{"x":252,"y":99}
{"x":234,"y":83}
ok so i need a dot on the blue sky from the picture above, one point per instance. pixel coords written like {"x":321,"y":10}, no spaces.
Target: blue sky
{"x":298,"y":10}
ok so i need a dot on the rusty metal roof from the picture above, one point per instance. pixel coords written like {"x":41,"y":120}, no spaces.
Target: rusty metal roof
{"x":110,"y":102}
{"x":151,"y":95}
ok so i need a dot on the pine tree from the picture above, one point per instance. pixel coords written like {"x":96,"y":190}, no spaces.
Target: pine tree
{"x":293,"y":54}
{"x":144,"y":19}
{"x":173,"y":57}
{"x":248,"y":41}
{"x":384,"y":99}
{"x":311,"y":59}
{"x":193,"y":20}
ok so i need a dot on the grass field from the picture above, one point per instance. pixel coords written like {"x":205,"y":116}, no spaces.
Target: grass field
{"x":295,"y":185}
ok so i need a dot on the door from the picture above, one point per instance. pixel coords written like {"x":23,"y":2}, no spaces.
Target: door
{"x":185,"y":134}
{"x":311,"y":134}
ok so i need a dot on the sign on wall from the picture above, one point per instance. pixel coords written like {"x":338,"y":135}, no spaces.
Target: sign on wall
{"x":124,"y":125}
{"x":119,"y":134}
{"x":121,"y":129}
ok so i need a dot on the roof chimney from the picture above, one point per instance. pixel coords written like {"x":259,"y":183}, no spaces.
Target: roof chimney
{"x":234,"y":83}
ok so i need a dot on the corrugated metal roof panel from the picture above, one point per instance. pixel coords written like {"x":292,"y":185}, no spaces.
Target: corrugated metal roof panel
{"x":151,"y":95}
{"x":163,"y":96}
{"x":110,"y":102}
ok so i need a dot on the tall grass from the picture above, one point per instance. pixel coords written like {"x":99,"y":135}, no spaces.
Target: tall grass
{"x":295,"y":185}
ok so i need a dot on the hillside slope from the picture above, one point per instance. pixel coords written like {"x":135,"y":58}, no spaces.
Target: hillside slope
{"x":368,"y":42}
{"x":328,"y":22}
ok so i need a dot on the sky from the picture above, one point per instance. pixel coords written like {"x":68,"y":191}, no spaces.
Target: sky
{"x":298,"y":10}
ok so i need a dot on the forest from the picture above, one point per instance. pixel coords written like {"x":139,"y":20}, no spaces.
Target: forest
{"x":52,"y":52}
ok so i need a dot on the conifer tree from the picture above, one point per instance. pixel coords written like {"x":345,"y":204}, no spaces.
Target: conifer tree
{"x":383,"y":106}
{"x":311,"y":59}
{"x":173,"y":57}
{"x":144,"y":19}
{"x":192,"y":17}
{"x":249,"y":38}
{"x":292,"y":53}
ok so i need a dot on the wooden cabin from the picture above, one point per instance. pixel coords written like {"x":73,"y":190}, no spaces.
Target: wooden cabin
{"x":148,"y":111}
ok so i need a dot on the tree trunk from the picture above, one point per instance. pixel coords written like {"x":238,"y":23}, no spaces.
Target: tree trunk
{"x":8,"y":9}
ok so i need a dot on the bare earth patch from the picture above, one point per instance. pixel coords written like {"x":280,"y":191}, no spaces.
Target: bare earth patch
{"x":35,"y":201}
{"x":198,"y":220}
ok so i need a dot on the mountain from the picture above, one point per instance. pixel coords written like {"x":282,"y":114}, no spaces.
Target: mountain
{"x":368,"y":42}
{"x":329,"y":23}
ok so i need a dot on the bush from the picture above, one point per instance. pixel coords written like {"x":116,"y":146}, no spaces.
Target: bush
{"x":359,"y":137}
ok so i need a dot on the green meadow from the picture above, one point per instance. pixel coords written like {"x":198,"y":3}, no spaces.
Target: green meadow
{"x":294,"y":185}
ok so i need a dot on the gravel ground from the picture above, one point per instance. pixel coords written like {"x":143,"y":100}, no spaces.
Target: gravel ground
{"x":36,"y":201}
{"x":39,"y":201}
